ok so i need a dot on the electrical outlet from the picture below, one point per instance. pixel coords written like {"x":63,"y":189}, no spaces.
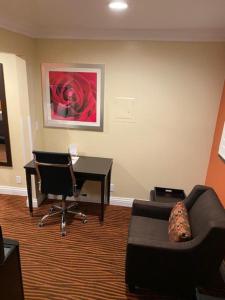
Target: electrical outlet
{"x":18,"y":179}
{"x":112,"y":187}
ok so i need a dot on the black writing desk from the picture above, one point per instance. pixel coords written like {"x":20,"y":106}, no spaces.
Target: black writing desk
{"x":88,"y":168}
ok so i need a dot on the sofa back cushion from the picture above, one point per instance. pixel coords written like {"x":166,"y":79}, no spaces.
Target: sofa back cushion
{"x":179,"y":228}
{"x":205,"y":213}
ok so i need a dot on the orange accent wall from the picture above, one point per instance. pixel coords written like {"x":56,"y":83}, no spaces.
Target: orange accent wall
{"x":216,"y":170}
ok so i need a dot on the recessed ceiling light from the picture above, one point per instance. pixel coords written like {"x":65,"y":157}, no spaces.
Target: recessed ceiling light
{"x":118,"y":5}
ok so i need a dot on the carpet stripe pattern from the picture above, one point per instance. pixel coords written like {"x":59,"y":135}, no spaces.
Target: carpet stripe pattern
{"x":87,"y":264}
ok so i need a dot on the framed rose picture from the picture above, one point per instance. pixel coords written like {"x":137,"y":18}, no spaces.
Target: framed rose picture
{"x":73,"y":96}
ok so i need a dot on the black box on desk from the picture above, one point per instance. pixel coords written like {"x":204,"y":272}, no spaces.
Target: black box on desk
{"x":162,"y":194}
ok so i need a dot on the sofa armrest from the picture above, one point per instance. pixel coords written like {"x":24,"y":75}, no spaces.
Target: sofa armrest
{"x":149,"y":258}
{"x":152,"y":209}
{"x":167,"y":246}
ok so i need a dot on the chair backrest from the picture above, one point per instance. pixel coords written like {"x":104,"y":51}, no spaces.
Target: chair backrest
{"x":55,"y":173}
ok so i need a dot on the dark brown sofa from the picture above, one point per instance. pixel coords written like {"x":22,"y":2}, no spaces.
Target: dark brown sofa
{"x":154,"y":262}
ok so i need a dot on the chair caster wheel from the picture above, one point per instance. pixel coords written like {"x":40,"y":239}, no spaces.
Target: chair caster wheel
{"x":51,"y":210}
{"x":84,"y":221}
{"x":40,"y":224}
{"x":63,"y":233}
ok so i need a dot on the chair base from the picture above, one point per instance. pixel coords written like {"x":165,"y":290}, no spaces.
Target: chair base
{"x":63,"y":211}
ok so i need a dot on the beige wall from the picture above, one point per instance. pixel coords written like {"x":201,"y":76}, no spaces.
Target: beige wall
{"x":20,"y":101}
{"x":176,"y":86}
{"x":24,"y":47}
{"x":16,"y":89}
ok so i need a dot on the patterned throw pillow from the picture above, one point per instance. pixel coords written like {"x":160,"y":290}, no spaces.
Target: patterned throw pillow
{"x":179,"y":228}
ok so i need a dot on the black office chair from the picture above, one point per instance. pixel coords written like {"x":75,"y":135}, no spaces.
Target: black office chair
{"x":56,"y":176}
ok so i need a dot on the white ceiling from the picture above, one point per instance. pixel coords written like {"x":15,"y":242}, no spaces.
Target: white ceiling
{"x":186,"y":20}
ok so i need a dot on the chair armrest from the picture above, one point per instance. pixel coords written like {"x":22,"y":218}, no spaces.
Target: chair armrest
{"x":152,"y":209}
{"x":167,"y":246}
{"x":148,"y":257}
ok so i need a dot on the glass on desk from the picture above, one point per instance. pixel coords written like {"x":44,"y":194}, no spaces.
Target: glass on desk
{"x":73,"y":153}
{"x":73,"y":150}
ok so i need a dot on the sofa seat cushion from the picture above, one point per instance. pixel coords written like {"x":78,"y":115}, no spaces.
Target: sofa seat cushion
{"x":142,"y":230}
{"x":179,"y":228}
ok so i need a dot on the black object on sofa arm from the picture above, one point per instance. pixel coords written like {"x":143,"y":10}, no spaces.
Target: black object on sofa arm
{"x":11,"y":284}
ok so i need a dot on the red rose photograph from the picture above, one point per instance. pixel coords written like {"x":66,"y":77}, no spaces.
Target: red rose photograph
{"x":73,"y":96}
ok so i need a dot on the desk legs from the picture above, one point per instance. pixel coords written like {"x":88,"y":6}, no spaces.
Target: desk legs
{"x":108,"y":185}
{"x":102,"y":199}
{"x":105,"y":193}
{"x":29,"y":192}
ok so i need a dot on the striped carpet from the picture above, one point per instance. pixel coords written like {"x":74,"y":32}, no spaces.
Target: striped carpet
{"x":87,"y":264}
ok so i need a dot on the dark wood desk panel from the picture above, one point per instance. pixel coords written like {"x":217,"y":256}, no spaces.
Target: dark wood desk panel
{"x":89,"y":168}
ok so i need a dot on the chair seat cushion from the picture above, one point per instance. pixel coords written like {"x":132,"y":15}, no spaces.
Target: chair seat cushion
{"x":179,"y":228}
{"x":142,"y":230}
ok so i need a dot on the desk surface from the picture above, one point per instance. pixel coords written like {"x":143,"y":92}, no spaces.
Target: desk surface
{"x":86,"y":165}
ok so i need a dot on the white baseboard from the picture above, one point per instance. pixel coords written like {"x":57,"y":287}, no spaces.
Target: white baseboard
{"x":121,"y":201}
{"x":36,"y":202}
{"x":17,"y":191}
{"x":128,"y":202}
{"x":10,"y":190}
